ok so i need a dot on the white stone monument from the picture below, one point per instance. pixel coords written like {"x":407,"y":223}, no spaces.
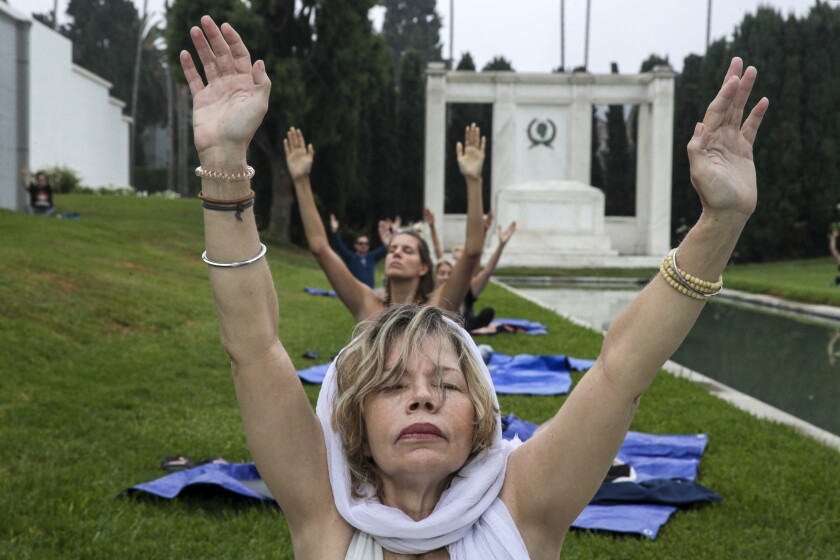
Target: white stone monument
{"x":542,"y":134}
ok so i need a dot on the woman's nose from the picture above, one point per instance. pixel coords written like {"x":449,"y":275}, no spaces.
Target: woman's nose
{"x":423,"y":398}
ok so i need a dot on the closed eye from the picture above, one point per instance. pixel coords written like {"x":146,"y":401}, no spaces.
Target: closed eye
{"x":395,"y":387}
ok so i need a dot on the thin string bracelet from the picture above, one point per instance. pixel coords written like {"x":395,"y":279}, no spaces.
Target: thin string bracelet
{"x":234,"y":264}
{"x":250,"y":196}
{"x":239,"y":208}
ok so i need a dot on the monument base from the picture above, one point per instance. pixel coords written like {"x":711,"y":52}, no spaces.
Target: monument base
{"x":555,"y":221}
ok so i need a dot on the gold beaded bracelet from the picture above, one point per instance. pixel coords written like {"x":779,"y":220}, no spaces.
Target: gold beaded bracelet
{"x":686,"y":283}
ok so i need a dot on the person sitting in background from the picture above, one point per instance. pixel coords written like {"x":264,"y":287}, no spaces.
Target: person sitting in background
{"x":361,"y":261}
{"x":40,"y":194}
{"x":404,"y":454}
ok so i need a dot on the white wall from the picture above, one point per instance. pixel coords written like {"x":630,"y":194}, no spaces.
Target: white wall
{"x":13,"y":31}
{"x":73,"y":121}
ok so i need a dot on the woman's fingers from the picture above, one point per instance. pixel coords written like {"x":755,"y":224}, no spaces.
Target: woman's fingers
{"x":750,"y":128}
{"x":191,"y":73}
{"x":742,"y":95}
{"x":259,"y":75}
{"x":736,"y":66}
{"x":240,"y":56}
{"x":205,"y":53}
{"x":719,"y":107}
{"x":224,"y":59}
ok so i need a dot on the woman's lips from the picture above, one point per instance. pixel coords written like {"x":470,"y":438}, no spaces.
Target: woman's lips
{"x":424,"y":430}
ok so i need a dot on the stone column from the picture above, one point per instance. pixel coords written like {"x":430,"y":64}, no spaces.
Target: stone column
{"x":580,"y":121}
{"x":504,"y":138}
{"x":661,"y":133}
{"x":434,"y":163}
{"x":644,"y":186}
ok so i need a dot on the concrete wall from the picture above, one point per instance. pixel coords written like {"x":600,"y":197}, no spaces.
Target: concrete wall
{"x":73,"y":120}
{"x":14,"y":35}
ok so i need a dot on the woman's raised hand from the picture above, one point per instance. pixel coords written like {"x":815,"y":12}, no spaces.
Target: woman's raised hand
{"x":471,"y":153}
{"x":227,"y":110}
{"x":299,"y":156}
{"x":720,"y":152}
{"x":507,"y":233}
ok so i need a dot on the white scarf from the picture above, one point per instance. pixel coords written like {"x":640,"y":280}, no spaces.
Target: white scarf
{"x":470,"y":494}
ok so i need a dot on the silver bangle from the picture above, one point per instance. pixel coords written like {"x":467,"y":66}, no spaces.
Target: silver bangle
{"x":687,"y":285}
{"x":234,"y":264}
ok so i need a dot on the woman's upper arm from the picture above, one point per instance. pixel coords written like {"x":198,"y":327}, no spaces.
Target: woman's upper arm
{"x":359,"y":299}
{"x":451,"y":295}
{"x":284,"y":435}
{"x":553,"y":475}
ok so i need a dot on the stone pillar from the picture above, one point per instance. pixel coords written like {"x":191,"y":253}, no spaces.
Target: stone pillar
{"x":580,"y":138}
{"x":661,"y":134}
{"x":435,"y":156}
{"x":644,"y":187}
{"x":504,"y":138}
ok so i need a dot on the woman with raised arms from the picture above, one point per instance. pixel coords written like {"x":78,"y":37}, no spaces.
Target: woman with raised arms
{"x":403,"y":457}
{"x":409,"y":270}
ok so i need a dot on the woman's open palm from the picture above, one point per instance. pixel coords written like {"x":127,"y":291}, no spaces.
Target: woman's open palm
{"x":229,"y":109}
{"x":720,"y":152}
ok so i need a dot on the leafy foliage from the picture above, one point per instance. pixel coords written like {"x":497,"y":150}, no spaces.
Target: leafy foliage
{"x":796,"y":152}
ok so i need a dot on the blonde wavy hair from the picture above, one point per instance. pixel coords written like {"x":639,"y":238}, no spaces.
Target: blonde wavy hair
{"x":361,"y":372}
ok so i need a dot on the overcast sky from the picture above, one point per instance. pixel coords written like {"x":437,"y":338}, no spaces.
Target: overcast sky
{"x":527,"y":32}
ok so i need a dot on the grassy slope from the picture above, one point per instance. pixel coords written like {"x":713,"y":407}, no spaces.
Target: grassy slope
{"x":112,"y":360}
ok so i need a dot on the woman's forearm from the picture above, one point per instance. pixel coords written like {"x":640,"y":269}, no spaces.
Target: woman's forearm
{"x":475,"y":211}
{"x":652,"y":327}
{"x":316,"y":235}
{"x":245,"y":297}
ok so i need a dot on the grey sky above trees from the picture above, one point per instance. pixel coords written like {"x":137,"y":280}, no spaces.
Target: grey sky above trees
{"x":526,"y":32}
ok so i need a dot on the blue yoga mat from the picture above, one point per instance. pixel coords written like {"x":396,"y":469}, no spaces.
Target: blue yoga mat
{"x":319,"y":292}
{"x":653,"y":456}
{"x":523,"y":374}
{"x":239,"y":478}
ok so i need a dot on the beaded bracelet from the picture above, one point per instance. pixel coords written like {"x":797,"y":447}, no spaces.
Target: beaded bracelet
{"x":685,"y":283}
{"x":223,"y":176}
{"x":235,"y":263}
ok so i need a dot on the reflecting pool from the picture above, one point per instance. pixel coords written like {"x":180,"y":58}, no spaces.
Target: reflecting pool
{"x":790,"y":362}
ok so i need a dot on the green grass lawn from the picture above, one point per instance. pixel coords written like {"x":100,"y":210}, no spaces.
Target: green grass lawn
{"x":112,"y":360}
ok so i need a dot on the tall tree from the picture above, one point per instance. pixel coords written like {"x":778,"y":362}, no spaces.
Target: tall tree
{"x":759,"y":39}
{"x":820,"y":63}
{"x":596,"y":163}
{"x":459,"y":116}
{"x":411,"y":127}
{"x":321,"y":57}
{"x":619,"y":192}
{"x":411,"y":25}
{"x":685,"y":205}
{"x":498,"y":64}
